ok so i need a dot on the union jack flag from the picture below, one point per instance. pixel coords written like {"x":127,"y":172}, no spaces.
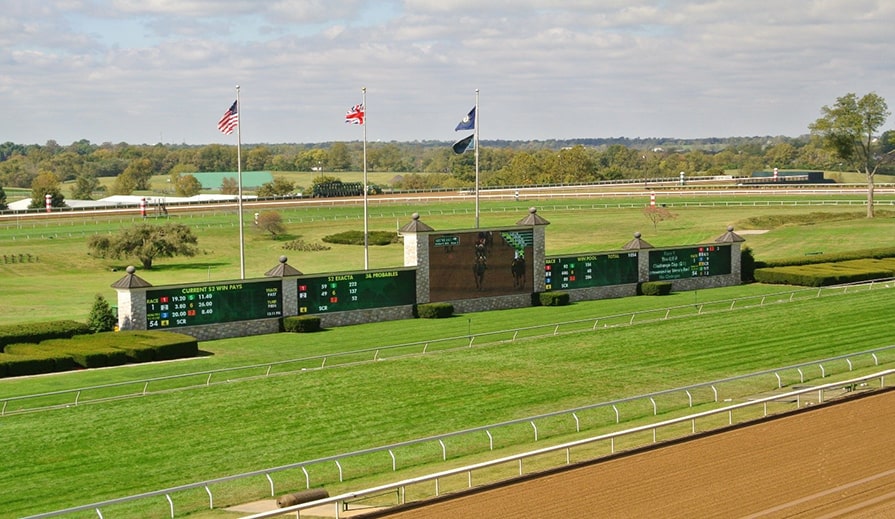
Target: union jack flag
{"x":229,"y":121}
{"x":355,"y":115}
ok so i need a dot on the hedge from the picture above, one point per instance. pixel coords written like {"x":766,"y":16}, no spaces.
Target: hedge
{"x":654,"y":288}
{"x":553,"y":298}
{"x":302,"y":324}
{"x":434,"y":310}
{"x":875,"y":253}
{"x":22,"y":365}
{"x":62,"y":361}
{"x":96,"y":350}
{"x":38,"y":332}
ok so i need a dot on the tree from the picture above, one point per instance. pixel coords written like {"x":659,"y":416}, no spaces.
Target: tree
{"x":186,"y":185}
{"x":338,"y":158}
{"x":258,"y":158}
{"x":272,"y":222}
{"x":229,"y":186}
{"x":85,"y":185}
{"x":658,"y":213}
{"x":280,"y":186}
{"x":44,"y":184}
{"x":141,"y":171}
{"x":848,"y":129}
{"x":3,"y":205}
{"x":146,"y":242}
{"x":101,"y":318}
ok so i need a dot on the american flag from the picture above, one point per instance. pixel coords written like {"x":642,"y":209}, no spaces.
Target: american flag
{"x":355,"y":115}
{"x":229,"y":121}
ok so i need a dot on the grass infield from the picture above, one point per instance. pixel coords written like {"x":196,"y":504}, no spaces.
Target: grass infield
{"x":66,"y":457}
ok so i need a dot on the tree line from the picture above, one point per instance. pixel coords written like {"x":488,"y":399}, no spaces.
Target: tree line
{"x":426,"y":164}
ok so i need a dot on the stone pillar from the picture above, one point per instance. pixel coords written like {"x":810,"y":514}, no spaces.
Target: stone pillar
{"x":131,"y":301}
{"x":416,"y":254}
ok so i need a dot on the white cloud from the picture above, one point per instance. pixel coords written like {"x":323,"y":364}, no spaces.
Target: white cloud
{"x":546,"y":68}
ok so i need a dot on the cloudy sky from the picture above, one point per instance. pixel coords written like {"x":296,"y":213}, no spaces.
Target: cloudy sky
{"x":148,"y":71}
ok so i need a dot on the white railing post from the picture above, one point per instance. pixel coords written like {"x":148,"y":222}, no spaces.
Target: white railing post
{"x":211,"y":498}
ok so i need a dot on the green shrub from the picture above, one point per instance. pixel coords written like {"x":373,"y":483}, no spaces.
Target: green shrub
{"x":302,"y":324}
{"x":22,"y":365}
{"x":99,"y":350}
{"x":876,"y":253}
{"x":553,"y":298}
{"x":61,"y":361}
{"x":357,"y":238}
{"x":655,"y":288}
{"x":434,"y":310}
{"x":101,"y":318}
{"x":818,"y":275}
{"x":38,"y":332}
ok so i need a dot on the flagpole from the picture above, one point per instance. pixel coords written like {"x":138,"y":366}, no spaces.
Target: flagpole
{"x":366,"y":233}
{"x":242,"y":254}
{"x":476,"y":138}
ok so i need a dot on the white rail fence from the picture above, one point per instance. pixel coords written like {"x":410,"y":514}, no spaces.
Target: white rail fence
{"x":342,"y":501}
{"x":515,"y":433}
{"x":144,"y":387}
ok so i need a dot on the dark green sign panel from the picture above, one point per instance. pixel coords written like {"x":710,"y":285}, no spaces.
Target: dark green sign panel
{"x":447,"y":241}
{"x":691,"y":262}
{"x":213,"y":303}
{"x":356,"y":291}
{"x":594,"y":270}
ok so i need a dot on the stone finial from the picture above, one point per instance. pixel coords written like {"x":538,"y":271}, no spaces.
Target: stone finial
{"x":415,"y":225}
{"x":637,"y":243}
{"x":283,"y":269}
{"x":729,"y":236}
{"x":533,"y":218}
{"x":131,"y":280}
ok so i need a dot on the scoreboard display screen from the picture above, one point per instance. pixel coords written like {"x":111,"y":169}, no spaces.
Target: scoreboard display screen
{"x":356,"y":291}
{"x":595,"y":270}
{"x":213,"y":303}
{"x":691,"y":262}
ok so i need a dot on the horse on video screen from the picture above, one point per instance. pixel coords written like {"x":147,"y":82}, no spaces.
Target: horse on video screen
{"x":478,"y":271}
{"x":518,"y":270}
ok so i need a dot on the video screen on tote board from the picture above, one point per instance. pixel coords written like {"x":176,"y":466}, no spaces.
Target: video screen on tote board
{"x":485,"y":262}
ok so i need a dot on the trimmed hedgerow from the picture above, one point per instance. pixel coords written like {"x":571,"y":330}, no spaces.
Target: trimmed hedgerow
{"x":655,"y":288}
{"x":22,"y":365}
{"x":434,"y":310}
{"x":96,"y":350}
{"x":876,"y":253}
{"x":61,"y":361}
{"x":826,"y":274}
{"x":302,"y":324}
{"x":37,"y":332}
{"x":553,"y":298}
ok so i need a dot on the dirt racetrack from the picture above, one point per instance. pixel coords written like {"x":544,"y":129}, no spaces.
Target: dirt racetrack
{"x":834,"y":460}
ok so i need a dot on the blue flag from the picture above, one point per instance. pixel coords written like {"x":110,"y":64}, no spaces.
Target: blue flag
{"x":468,"y":122}
{"x":462,"y":145}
